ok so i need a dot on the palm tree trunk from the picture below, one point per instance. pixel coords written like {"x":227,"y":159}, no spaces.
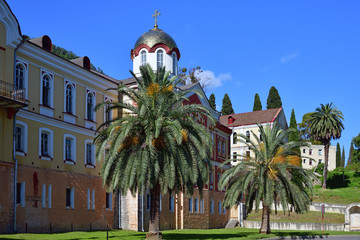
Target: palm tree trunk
{"x":154,"y":222}
{"x":326,"y":145}
{"x":265,"y":220}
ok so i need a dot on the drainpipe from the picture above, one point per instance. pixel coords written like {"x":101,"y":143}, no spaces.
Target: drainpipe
{"x":14,"y":132}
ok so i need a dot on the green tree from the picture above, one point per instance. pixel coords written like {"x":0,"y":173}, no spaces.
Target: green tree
{"x":294,"y":136}
{"x":350,"y":154}
{"x":212,"y":101}
{"x":338,"y":155}
{"x":272,"y":173}
{"x":326,"y":124}
{"x":226,"y":105}
{"x":355,"y":156}
{"x":343,"y":158}
{"x":257,"y":103}
{"x":274,"y":99}
{"x":305,"y":131}
{"x":153,"y":147}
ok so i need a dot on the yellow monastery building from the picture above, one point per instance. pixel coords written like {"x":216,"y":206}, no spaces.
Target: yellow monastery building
{"x":49,"y":178}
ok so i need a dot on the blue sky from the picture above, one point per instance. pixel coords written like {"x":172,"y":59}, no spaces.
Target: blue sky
{"x":308,"y":50}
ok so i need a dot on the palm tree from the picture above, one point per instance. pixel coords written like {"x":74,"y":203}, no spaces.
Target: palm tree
{"x":326,"y":124}
{"x":273,"y":173}
{"x":156,"y":145}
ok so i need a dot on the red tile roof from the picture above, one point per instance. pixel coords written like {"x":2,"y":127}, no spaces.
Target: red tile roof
{"x":250,"y":118}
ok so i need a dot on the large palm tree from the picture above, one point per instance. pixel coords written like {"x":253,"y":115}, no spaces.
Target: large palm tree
{"x":156,"y":144}
{"x":273,"y":173}
{"x":326,"y":124}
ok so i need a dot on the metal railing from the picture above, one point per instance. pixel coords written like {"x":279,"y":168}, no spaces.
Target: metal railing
{"x":9,"y":91}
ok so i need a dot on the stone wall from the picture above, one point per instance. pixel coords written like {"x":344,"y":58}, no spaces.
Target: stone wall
{"x":296,"y":226}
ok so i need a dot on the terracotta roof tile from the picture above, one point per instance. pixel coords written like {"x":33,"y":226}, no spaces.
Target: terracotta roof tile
{"x":250,"y":118}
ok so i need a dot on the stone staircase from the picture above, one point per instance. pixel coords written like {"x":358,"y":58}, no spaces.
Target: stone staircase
{"x":232,"y":223}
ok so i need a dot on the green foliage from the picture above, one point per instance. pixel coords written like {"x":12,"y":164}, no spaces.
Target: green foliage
{"x":294,"y":136}
{"x":272,"y":173}
{"x":355,"y":156}
{"x":350,"y":154}
{"x":226,"y":105}
{"x":274,"y":100}
{"x":156,"y":144}
{"x":69,"y":55}
{"x":338,"y":155}
{"x":305,"y":131}
{"x":342,"y":164}
{"x":326,"y":124}
{"x":257,"y":103}
{"x":319,"y":168}
{"x":355,"y":167}
{"x":212,"y":101}
{"x":338,"y":180}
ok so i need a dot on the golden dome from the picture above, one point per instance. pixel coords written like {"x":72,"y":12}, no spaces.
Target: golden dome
{"x":155,"y":36}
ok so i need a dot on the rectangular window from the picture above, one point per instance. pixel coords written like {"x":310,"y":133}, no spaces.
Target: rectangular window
{"x":196,"y":205}
{"x":212,"y":206}
{"x":46,"y":91}
{"x":93,"y":199}
{"x":45,"y":144}
{"x":320,"y":152}
{"x":109,"y":201}
{"x":223,"y":148}
{"x":148,"y":201}
{"x":68,"y":149}
{"x":49,"y":195}
{"x":20,"y":194}
{"x":304,"y":160}
{"x":88,"y":199}
{"x":304,"y":150}
{"x":89,"y":154}
{"x":310,"y":162}
{"x":320,"y":161}
{"x":19,"y":139}
{"x":224,"y":210}
{"x":310,"y":151}
{"x":43,"y":197}
{"x":201,"y":205}
{"x":211,"y":178}
{"x":247,"y":155}
{"x":234,"y":155}
{"x":70,"y":198}
{"x":160,"y":203}
{"x":190,"y":205}
{"x":171,"y":203}
{"x":219,"y":207}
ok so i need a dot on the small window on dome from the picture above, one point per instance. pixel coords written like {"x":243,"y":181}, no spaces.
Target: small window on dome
{"x":143,"y":58}
{"x":160,"y":59}
{"x":174,"y":64}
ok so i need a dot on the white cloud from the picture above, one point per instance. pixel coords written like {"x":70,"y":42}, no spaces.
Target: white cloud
{"x":289,"y":57}
{"x":209,"y":80}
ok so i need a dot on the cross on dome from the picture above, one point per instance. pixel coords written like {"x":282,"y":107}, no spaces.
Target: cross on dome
{"x":155,"y":16}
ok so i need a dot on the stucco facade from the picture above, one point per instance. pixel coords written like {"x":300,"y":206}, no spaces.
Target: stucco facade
{"x":314,"y":154}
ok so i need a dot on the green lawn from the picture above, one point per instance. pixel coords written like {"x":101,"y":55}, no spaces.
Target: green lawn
{"x":191,"y":234}
{"x":339,"y":195}
{"x":312,"y":217}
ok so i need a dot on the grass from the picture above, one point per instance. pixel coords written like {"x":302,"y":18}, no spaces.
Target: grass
{"x":339,"y":195}
{"x":311,"y":217}
{"x":191,"y":234}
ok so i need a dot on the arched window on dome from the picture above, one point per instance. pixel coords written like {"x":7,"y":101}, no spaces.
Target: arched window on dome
{"x":160,"y":59}
{"x":143,"y":58}
{"x":174,"y":64}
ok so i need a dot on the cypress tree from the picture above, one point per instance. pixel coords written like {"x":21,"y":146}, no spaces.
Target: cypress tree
{"x":350,"y":154}
{"x":338,"y":155}
{"x":294,"y":136}
{"x":343,"y":158}
{"x":226,"y":106}
{"x":212,"y":101}
{"x":257,"y":103}
{"x":274,"y":99}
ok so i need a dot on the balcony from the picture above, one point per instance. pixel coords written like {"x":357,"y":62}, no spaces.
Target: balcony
{"x":10,"y":97}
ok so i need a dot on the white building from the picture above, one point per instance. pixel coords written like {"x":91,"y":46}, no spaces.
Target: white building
{"x":315,"y":154}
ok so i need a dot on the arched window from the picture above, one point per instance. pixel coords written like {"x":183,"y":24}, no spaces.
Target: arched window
{"x":143,"y":58}
{"x":46,"y":91}
{"x":69,"y":99}
{"x":247,"y":136}
{"x":90,"y":107}
{"x":20,"y":77}
{"x":160,"y":59}
{"x":174,"y":64}
{"x":235,"y":138}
